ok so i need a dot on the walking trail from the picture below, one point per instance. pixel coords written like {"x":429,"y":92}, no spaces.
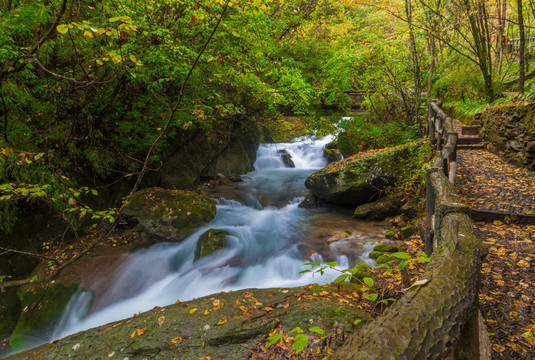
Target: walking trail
{"x":502,"y":196}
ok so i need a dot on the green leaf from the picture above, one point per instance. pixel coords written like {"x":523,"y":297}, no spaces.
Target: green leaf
{"x":94,"y":192}
{"x":38,"y":156}
{"x":300,"y":342}
{"x":332,"y":263}
{"x":341,"y":278}
{"x":62,"y":29}
{"x":111,"y":220}
{"x":273,"y":339}
{"x":402,"y":264}
{"x":357,"y":321}
{"x":295,"y":330}
{"x":401,"y":255}
{"x":371,"y":297}
{"x":317,"y":330}
{"x":368,"y":281}
{"x":303,"y":271}
{"x":235,"y":34}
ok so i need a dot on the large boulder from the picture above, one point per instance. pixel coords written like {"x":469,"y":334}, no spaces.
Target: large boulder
{"x":361,"y":178}
{"x":220,"y":326}
{"x":170,"y":214}
{"x":387,"y":206}
{"x":197,"y":153}
{"x":210,"y":241}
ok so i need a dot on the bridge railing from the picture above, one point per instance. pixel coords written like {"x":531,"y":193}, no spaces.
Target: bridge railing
{"x":440,"y":318}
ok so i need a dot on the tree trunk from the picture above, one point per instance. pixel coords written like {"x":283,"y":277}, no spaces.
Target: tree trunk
{"x":522,"y":48}
{"x":414,"y":61}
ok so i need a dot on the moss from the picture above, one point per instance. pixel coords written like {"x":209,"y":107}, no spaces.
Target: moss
{"x":385,"y":248}
{"x":383,"y":259}
{"x":375,"y":254}
{"x":210,"y":241}
{"x":10,"y":308}
{"x":390,"y":234}
{"x":407,"y":231}
{"x":170,"y":214}
{"x":361,"y":271}
{"x":42,"y":308}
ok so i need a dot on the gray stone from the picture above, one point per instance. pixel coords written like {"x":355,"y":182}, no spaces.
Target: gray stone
{"x":378,"y":210}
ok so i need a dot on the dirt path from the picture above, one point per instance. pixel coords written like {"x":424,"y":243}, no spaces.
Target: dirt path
{"x":507,"y":296}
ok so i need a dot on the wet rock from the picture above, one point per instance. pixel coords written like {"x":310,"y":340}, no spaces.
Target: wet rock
{"x":379,"y":210}
{"x":311,"y":201}
{"x":339,"y":236}
{"x":287,"y":160}
{"x":10,"y":308}
{"x":170,"y":214}
{"x":42,"y":307}
{"x":210,"y":241}
{"x":361,"y":178}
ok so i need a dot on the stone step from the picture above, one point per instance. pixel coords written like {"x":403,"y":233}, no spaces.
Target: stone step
{"x":470,"y":130}
{"x":471,"y":147}
{"x":468,"y":140}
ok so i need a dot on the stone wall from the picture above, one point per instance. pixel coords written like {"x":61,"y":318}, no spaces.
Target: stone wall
{"x":510,"y":131}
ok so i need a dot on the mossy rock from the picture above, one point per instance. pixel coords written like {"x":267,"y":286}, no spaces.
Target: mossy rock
{"x":390,"y":234}
{"x":384,"y":259}
{"x":287,"y":160}
{"x":361,"y":271}
{"x":407,"y":231}
{"x":210,"y":241}
{"x":375,"y":254}
{"x":10,"y":309}
{"x":42,"y":307}
{"x":170,"y":214}
{"x":384,"y":248}
{"x":217,"y":326}
{"x":360,"y":178}
{"x":379,"y":210}
{"x":332,"y":155}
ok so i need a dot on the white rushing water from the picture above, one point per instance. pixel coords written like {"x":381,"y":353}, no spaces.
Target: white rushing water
{"x":263,"y":251}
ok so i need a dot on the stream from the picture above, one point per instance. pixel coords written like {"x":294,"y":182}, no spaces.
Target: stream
{"x":271,"y":238}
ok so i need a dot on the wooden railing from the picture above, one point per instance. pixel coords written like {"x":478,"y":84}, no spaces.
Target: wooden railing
{"x":440,"y":319}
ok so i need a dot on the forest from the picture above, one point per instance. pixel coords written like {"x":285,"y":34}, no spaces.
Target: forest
{"x":102,"y":100}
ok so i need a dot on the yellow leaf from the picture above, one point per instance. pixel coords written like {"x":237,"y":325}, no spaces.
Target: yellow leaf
{"x":62,"y":29}
{"x":267,"y":308}
{"x":205,"y":358}
{"x":88,"y":34}
{"x":161,"y":320}
{"x":222,"y":321}
{"x":216,"y":302}
{"x":235,"y":33}
{"x":206,"y":312}
{"x":138,"y":332}
{"x":176,"y":340}
{"x":192,"y":311}
{"x":522,"y":264}
{"x":133,"y":58}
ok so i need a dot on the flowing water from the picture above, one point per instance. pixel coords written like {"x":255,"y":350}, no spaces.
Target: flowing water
{"x":271,"y":238}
